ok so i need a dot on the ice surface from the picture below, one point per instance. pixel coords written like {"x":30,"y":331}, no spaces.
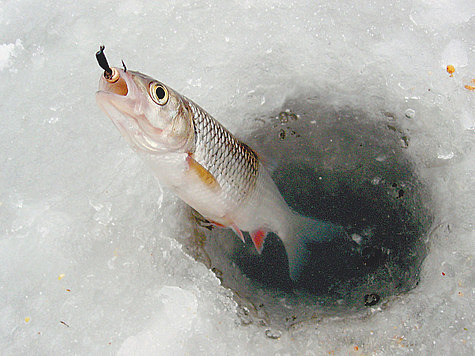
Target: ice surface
{"x":8,"y":50}
{"x":92,"y":249}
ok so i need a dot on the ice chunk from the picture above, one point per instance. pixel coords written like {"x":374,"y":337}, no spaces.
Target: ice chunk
{"x":410,"y":113}
{"x":445,"y":154}
{"x":172,"y":321}
{"x":7,"y":51}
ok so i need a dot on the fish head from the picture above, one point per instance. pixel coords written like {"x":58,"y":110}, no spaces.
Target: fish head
{"x":150,"y":115}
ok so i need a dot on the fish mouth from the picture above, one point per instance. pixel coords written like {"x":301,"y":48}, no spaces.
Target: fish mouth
{"x":119,"y":89}
{"x":117,"y":97}
{"x":121,"y":99}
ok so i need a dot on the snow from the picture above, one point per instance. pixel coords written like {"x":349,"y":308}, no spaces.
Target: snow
{"x":7,"y":51}
{"x":454,"y":53}
{"x":96,"y":255}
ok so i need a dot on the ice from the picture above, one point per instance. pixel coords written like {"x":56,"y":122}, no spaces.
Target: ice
{"x":7,"y":51}
{"x":178,"y":305}
{"x":76,"y":202}
{"x":455,"y":54}
{"x":410,"y":114}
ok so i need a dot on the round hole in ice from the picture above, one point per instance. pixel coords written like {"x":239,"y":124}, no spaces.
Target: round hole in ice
{"x":326,"y":170}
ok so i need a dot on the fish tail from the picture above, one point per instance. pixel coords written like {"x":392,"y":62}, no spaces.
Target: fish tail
{"x":304,"y":231}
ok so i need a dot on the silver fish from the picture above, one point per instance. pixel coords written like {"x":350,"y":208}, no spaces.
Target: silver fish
{"x":205,"y":165}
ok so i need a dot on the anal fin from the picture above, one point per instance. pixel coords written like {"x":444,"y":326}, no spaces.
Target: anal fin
{"x":258,"y":237}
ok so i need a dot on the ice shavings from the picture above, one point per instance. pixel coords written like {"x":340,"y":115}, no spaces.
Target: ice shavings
{"x":9,"y":51}
{"x":176,"y":304}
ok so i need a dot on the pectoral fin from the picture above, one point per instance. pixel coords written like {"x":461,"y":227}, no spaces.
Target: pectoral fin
{"x":233,"y":226}
{"x":237,"y":231}
{"x":202,"y":173}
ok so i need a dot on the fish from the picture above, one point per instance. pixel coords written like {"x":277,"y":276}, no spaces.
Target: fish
{"x":205,"y":165}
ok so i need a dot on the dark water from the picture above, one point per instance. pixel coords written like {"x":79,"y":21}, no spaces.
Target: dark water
{"x":343,"y":167}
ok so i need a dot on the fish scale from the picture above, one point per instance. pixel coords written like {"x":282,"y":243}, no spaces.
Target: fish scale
{"x":232,"y":163}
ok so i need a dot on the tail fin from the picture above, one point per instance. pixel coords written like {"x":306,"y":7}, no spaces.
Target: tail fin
{"x":307,"y":230}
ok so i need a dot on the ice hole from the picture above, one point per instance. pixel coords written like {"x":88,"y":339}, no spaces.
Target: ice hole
{"x":343,"y":166}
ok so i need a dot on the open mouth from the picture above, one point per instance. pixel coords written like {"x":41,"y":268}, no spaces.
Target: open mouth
{"x":118,"y":90}
{"x":117,"y":82}
{"x":119,"y":98}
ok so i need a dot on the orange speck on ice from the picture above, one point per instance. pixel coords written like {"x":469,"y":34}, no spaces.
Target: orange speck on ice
{"x":470,"y":87}
{"x":450,"y":69}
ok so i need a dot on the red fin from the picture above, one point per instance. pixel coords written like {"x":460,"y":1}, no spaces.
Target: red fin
{"x":258,"y":238}
{"x":237,"y":231}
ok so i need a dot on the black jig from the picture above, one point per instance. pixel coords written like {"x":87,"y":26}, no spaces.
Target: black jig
{"x":123,"y":65}
{"x":101,"y":59}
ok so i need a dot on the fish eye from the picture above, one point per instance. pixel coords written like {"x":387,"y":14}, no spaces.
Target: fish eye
{"x":158,"y":93}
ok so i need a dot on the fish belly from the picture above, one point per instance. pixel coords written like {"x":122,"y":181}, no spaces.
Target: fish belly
{"x":191,"y":183}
